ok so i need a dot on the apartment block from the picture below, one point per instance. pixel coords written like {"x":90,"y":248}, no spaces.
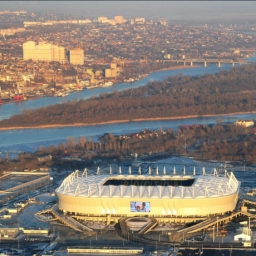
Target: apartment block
{"x":76,"y":56}
{"x":43,"y":51}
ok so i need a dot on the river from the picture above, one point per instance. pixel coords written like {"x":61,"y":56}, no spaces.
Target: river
{"x":15,"y":141}
{"x":8,"y":110}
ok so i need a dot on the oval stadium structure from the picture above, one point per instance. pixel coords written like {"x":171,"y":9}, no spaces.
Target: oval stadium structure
{"x":101,"y":193}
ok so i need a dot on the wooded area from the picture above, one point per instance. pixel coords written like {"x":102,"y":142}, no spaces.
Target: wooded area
{"x":221,"y":142}
{"x":226,"y":92}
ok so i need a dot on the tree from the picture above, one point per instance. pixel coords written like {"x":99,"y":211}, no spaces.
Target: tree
{"x":70,"y":143}
{"x":219,"y":121}
{"x":82,"y":141}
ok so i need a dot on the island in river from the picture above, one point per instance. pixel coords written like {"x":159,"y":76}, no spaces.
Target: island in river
{"x":230,"y":91}
{"x":220,"y":142}
{"x":226,"y":92}
{"x":46,"y":126}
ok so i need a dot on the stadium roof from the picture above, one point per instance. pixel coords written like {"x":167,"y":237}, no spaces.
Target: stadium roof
{"x":93,"y":185}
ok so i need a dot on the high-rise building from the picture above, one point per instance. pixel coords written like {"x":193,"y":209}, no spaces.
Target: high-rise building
{"x":139,"y":20}
{"x":113,"y":65}
{"x":119,"y":19}
{"x":109,"y":72}
{"x":102,"y":18}
{"x":43,"y":51}
{"x":59,"y":53}
{"x":29,"y":49}
{"x":76,"y":56}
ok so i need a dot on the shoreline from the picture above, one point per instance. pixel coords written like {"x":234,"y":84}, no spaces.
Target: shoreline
{"x":175,"y":68}
{"x":53,"y":126}
{"x":158,"y":70}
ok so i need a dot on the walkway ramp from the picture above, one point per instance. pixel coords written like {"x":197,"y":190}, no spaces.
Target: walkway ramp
{"x":210,"y":222}
{"x":149,"y":226}
{"x":248,"y":214}
{"x":3,"y":209}
{"x":75,"y":224}
{"x":69,"y":221}
{"x":44,"y":211}
{"x":123,"y":226}
{"x":246,"y":201}
{"x":198,"y":225}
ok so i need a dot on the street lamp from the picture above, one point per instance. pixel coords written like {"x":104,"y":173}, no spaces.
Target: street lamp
{"x":213,"y":234}
{"x":51,"y":179}
{"x":217,"y":231}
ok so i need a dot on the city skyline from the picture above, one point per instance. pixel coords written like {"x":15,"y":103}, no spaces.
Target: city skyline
{"x":176,"y":10}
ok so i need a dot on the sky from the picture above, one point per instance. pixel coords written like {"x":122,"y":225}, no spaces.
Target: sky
{"x":182,"y":10}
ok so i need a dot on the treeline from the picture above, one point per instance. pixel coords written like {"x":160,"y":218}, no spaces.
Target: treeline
{"x":221,"y":142}
{"x":137,"y":68}
{"x":225,"y":92}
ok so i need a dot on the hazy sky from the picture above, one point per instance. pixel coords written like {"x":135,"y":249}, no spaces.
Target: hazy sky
{"x":155,"y":9}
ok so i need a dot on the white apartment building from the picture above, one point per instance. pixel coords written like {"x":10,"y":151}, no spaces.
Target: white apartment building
{"x":43,"y":51}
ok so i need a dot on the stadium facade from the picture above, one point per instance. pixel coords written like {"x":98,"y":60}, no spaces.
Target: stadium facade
{"x":158,"y":194}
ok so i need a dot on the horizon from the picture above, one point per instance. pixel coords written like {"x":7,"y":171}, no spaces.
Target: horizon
{"x":171,"y":10}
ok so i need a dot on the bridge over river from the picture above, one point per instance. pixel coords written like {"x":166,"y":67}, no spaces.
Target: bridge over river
{"x":206,"y":62}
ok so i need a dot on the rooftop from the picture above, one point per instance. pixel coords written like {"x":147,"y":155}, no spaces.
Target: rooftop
{"x":102,"y":184}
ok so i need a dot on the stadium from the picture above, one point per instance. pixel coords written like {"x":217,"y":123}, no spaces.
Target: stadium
{"x":154,"y":194}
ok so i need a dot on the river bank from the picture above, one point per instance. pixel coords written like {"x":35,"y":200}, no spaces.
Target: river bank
{"x":28,"y":139}
{"x":52,"y":126}
{"x":175,"y":68}
{"x":24,"y":98}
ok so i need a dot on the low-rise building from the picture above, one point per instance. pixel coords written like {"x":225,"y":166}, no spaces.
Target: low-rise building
{"x":245,"y":123}
{"x":245,"y":235}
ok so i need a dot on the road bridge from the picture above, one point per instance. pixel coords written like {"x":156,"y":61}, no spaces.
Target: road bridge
{"x":205,"y":62}
{"x":251,"y":50}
